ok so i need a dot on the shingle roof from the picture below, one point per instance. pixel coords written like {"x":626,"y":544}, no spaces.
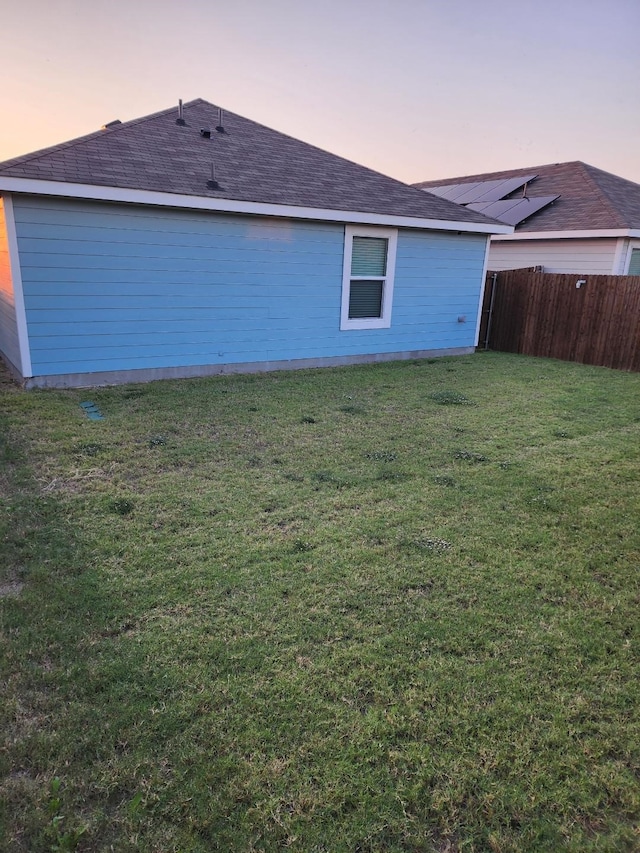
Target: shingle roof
{"x":253,"y":163}
{"x":590,"y":199}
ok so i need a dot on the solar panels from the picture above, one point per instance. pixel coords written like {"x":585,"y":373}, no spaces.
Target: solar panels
{"x":480,"y":190}
{"x":514,"y":210}
{"x":489,"y":197}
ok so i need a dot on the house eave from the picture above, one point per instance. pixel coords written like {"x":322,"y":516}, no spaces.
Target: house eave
{"x":569,"y":235}
{"x":223,"y":205}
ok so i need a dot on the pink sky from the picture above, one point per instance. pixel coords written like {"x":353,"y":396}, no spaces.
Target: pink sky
{"x":417,"y":89}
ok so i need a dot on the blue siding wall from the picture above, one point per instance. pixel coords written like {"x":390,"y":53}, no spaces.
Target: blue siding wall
{"x":114,"y":287}
{"x":9,"y":344}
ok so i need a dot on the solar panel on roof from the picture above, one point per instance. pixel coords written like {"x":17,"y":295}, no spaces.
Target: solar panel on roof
{"x":454,"y":192}
{"x":503,"y":187}
{"x":515,"y":210}
{"x":448,"y":192}
{"x":467,"y":192}
{"x":476,"y":191}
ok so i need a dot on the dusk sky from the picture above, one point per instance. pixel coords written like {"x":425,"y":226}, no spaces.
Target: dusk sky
{"x":417,"y":89}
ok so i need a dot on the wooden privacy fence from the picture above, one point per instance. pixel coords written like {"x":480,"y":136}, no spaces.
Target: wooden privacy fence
{"x":593,"y":319}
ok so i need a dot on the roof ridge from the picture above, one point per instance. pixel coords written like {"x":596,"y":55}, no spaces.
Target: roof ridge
{"x":62,"y":146}
{"x":610,"y":174}
{"x":602,"y":192}
{"x":70,"y":143}
{"x":317,"y":148}
{"x":515,"y":172}
{"x":259,"y":165}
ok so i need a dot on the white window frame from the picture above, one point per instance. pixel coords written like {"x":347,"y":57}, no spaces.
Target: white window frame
{"x":634,"y":246}
{"x":384,"y":321}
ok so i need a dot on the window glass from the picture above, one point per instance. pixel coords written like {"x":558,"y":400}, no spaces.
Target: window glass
{"x":365,"y":299}
{"x":634,"y":263}
{"x":369,"y":256}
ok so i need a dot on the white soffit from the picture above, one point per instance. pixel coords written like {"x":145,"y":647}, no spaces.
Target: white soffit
{"x":569,"y":235}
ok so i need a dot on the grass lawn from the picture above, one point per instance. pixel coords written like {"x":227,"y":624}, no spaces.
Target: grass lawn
{"x":381,"y":608}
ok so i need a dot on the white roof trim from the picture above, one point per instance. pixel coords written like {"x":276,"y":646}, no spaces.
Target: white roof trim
{"x":570,"y":235}
{"x":225,"y":205}
{"x":483,"y":285}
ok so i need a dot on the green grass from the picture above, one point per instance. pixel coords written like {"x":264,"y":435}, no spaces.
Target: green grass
{"x":382,"y":608}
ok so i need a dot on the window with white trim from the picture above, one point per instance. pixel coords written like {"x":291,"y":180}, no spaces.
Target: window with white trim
{"x":367,"y":277}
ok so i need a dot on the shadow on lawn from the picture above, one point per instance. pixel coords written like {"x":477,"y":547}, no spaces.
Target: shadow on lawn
{"x":52,"y":609}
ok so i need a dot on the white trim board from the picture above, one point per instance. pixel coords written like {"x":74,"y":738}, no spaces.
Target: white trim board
{"x":568,"y":235}
{"x":18,"y":294}
{"x":225,"y":205}
{"x":620,"y":256}
{"x":485,"y":266}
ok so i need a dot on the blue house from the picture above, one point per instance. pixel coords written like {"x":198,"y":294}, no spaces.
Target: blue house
{"x":193,"y":242}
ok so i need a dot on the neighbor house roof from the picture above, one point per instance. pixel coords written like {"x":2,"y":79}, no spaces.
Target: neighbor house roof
{"x":589,"y":198}
{"x":253,"y":165}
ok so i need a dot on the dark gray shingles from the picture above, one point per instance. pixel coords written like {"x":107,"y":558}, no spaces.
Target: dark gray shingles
{"x":253,"y":163}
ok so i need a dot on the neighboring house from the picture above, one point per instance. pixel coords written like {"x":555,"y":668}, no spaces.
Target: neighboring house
{"x":568,"y":217}
{"x":195,"y":242}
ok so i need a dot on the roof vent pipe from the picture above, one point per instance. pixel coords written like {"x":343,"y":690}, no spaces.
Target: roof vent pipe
{"x":220,"y":125}
{"x":180,"y":120}
{"x":212,"y":183}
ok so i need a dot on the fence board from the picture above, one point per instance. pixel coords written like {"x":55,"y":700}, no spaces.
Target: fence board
{"x":545,"y":314}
